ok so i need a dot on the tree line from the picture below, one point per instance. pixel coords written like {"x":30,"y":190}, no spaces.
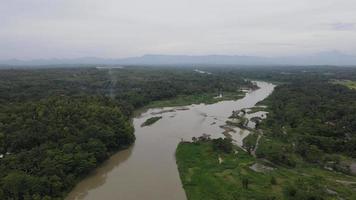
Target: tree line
{"x":313,"y":119}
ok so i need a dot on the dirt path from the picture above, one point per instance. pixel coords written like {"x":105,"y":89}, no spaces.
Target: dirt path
{"x":253,"y":152}
{"x":346,"y":182}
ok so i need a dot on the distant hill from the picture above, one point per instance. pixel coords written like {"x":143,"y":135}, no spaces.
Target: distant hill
{"x":323,"y":58}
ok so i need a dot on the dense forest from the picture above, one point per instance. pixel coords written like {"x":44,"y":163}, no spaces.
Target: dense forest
{"x":319,"y":114}
{"x":58,"y":124}
{"x":133,"y":87}
{"x":53,"y":142}
{"x":310,"y":118}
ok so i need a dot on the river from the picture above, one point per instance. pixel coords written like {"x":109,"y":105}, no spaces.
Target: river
{"x":148,"y":169}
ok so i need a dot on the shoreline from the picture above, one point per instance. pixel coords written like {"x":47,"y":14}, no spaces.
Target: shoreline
{"x":137,"y":120}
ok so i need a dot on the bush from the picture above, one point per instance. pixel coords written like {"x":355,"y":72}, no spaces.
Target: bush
{"x":224,"y":145}
{"x":273,"y":180}
{"x":305,"y":189}
{"x":276,"y":152}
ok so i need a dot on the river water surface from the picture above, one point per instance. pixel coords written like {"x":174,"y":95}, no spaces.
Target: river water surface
{"x":148,"y":169}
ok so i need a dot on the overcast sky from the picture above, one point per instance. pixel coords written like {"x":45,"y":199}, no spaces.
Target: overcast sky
{"x":116,"y":28}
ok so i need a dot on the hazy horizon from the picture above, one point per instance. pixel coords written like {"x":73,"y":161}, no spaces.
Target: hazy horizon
{"x":335,"y":52}
{"x":324,"y":58}
{"x":37,"y":29}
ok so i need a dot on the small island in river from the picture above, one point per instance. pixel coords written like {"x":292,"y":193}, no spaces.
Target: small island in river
{"x":150,"y":121}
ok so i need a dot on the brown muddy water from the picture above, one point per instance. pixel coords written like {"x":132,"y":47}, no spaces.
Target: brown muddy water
{"x":148,"y":169}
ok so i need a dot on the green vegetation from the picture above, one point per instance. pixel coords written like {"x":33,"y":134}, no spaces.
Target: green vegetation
{"x":249,"y":142}
{"x":305,"y":146}
{"x":52,"y":143}
{"x":58,"y":124}
{"x":238,"y":119}
{"x":311,"y":120}
{"x":347,"y":83}
{"x":205,"y":177}
{"x":151,"y":121}
{"x":241,"y":122}
{"x":133,"y":87}
{"x":206,"y":98}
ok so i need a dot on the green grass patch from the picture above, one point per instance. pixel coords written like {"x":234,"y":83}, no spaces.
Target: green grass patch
{"x":348,"y":83}
{"x":205,"y":178}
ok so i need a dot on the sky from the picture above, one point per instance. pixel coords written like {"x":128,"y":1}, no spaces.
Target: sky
{"x":38,"y":29}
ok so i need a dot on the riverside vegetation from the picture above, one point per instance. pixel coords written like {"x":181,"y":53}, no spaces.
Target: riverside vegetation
{"x":151,"y":121}
{"x":307,"y":149}
{"x":58,"y":124}
{"x":208,"y":172}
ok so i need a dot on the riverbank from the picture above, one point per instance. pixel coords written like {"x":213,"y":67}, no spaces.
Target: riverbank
{"x":276,"y":164}
{"x":184,"y":100}
{"x":151,"y":164}
{"x":211,"y":174}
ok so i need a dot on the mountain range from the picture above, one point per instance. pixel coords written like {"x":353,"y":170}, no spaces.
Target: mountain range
{"x":323,"y":58}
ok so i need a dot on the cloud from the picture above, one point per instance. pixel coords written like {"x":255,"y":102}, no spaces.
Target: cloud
{"x":31,"y":29}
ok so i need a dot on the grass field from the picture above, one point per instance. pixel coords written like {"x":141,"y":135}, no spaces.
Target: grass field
{"x":205,"y":178}
{"x":347,"y":83}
